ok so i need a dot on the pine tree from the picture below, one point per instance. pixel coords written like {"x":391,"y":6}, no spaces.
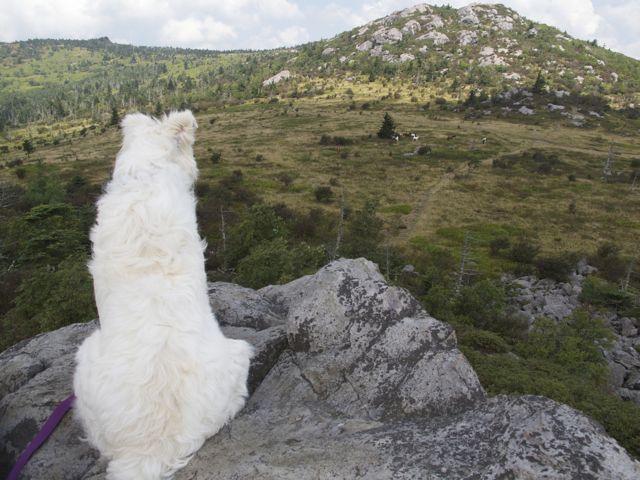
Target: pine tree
{"x":388,"y":128}
{"x":538,"y":86}
{"x":115,"y":117}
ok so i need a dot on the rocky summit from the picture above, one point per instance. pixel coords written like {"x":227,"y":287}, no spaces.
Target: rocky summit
{"x":352,"y":379}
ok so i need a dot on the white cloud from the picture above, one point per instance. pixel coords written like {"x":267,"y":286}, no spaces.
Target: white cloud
{"x":193,"y":32}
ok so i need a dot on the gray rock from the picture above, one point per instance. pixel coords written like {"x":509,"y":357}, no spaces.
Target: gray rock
{"x":364,"y":46}
{"x":375,"y":351}
{"x":406,"y":57}
{"x":627,"y":327}
{"x":437,"y":38}
{"x":421,"y":8}
{"x":242,"y":307}
{"x":434,"y":22}
{"x":277,"y":78}
{"x":467,"y":37}
{"x":368,"y":386}
{"x":411,"y":27}
{"x":387,"y":35}
{"x":505,"y":437}
{"x":328,"y":51}
{"x":468,"y":16}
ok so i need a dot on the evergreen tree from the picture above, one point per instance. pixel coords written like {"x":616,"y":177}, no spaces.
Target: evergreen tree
{"x":28,"y":147}
{"x":115,"y":117}
{"x":388,"y":128}
{"x":538,"y":86}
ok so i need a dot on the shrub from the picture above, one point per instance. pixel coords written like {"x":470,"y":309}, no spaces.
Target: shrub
{"x":599,"y":292}
{"x":215,"y":157}
{"x":49,"y":300}
{"x":277,"y":262}
{"x":323,"y":194}
{"x":423,"y":150}
{"x":335,"y":140}
{"x":609,"y":263}
{"x":524,"y":251}
{"x":260,"y":157}
{"x":556,"y":268}
{"x":483,"y":341}
{"x":497,"y":245}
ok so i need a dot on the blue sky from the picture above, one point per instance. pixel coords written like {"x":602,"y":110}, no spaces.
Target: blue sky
{"x":256,"y":24}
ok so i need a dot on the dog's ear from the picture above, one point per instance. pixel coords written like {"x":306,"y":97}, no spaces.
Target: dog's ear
{"x":134,"y":122}
{"x":181,"y":126}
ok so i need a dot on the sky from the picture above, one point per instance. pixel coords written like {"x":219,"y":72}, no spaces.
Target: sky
{"x":260,"y":24}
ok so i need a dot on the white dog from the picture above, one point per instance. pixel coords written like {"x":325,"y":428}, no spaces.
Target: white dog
{"x":158,"y":377}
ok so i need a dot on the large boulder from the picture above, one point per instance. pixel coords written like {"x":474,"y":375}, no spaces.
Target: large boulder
{"x":357,"y":382}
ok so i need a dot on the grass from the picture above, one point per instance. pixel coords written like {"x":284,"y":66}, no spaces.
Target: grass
{"x":420,"y":190}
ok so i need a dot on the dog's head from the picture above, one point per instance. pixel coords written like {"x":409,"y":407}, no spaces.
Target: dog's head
{"x":151,"y":144}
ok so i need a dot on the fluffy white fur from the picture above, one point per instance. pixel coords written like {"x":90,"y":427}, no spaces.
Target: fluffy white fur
{"x":158,"y":377}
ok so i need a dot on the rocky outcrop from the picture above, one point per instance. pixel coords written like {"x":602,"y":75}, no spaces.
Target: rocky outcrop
{"x":533,"y":298}
{"x":353,"y":379}
{"x":277,"y":78}
{"x":438,"y":38}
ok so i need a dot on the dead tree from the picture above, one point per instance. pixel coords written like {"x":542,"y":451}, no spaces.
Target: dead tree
{"x":336,"y":250}
{"x":223,"y":235}
{"x":607,"y":171}
{"x":466,"y":264}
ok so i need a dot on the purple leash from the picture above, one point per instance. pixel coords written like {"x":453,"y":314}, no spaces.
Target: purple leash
{"x":44,"y":433}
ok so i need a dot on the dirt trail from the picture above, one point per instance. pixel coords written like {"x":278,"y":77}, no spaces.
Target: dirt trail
{"x":419,"y":214}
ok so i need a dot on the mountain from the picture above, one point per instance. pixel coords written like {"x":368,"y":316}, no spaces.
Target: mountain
{"x":482,"y":46}
{"x":485,"y":48}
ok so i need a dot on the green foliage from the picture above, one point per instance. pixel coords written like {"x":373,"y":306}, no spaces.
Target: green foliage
{"x":276,"y":262}
{"x":524,"y":251}
{"x":28,"y":147}
{"x":50,"y":299}
{"x":388,"y":127}
{"x":363,"y":234}
{"x":323,"y":194}
{"x":44,"y":186}
{"x":260,"y":225}
{"x":539,"y":84}
{"x":556,"y":267}
{"x":46,"y":235}
{"x":609,"y":262}
{"x":601,"y":293}
{"x":483,"y":341}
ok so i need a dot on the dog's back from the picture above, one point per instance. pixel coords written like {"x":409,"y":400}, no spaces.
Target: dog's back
{"x":158,"y":377}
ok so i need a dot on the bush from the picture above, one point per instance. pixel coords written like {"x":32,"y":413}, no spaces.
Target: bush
{"x":599,"y":292}
{"x":524,"y":251}
{"x":609,"y":263}
{"x":483,"y":341}
{"x":335,"y":140}
{"x":363,"y":233}
{"x":323,"y":194}
{"x":277,"y":262}
{"x":215,"y":157}
{"x":497,"y":245}
{"x":423,"y":150}
{"x":49,"y":300}
{"x":556,"y":268}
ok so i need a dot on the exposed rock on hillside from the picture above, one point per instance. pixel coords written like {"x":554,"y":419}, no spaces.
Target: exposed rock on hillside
{"x":277,"y":78}
{"x":358,"y":382}
{"x":535,"y":298}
